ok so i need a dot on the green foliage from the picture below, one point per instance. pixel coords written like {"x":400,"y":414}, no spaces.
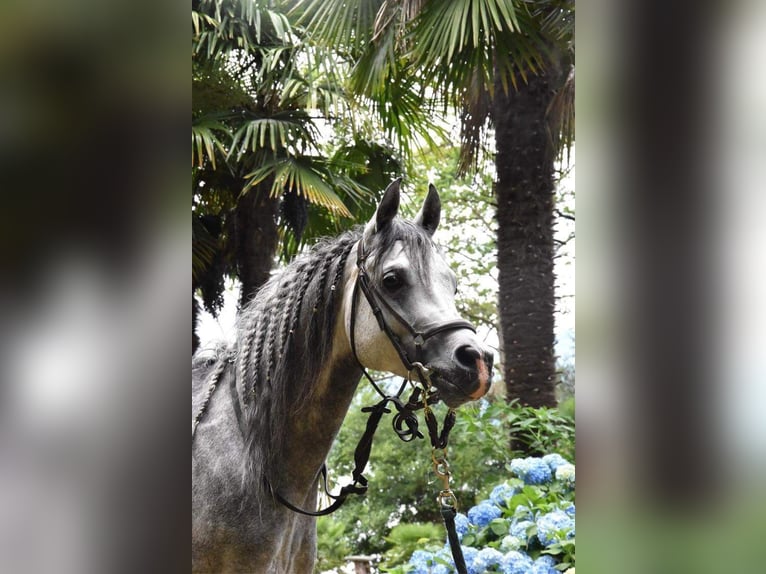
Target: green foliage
{"x":528,"y":522}
{"x":403,"y":487}
{"x":530,"y":501}
{"x":544,"y":430}
{"x":368,"y":36}
{"x":271,"y":115}
{"x":333,"y":544}
{"x":405,"y":538}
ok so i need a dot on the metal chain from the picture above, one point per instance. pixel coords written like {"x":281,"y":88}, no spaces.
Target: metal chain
{"x":440,"y":463}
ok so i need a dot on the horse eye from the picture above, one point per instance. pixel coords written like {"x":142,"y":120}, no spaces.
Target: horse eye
{"x":392,"y":281}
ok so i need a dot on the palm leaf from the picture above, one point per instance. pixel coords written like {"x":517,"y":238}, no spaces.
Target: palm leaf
{"x":280,"y":131}
{"x":325,"y":222}
{"x":306,"y":177}
{"x":221,"y":26}
{"x":561,"y":116}
{"x":205,"y":141}
{"x":341,"y":23}
{"x":318,"y":85}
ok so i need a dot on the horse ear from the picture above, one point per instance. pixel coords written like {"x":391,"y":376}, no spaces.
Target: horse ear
{"x":387,"y":209}
{"x":429,"y":215}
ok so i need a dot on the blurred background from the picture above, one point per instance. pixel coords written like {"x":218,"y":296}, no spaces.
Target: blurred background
{"x":94,"y":258}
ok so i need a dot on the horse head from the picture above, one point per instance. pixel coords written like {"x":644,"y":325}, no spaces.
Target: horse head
{"x":400,"y":304}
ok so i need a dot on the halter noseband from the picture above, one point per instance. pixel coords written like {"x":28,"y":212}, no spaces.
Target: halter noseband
{"x":375,"y":300}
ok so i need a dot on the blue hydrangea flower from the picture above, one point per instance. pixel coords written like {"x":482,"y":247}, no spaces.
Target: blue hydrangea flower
{"x":420,"y":557}
{"x":542,"y":568}
{"x":566,"y":473}
{"x":421,"y":560}
{"x":550,"y":526}
{"x":570,"y":510}
{"x":519,"y":466}
{"x":445,"y":555}
{"x":483,"y":513}
{"x":546,"y":559}
{"x":501,"y":493}
{"x":554,"y":461}
{"x":469,"y":553}
{"x":531,"y":470}
{"x":485,"y":559}
{"x":461,"y":524}
{"x":519,"y":529}
{"x":516,"y":563}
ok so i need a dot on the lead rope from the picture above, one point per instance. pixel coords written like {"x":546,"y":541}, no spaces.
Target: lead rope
{"x":446,"y":498}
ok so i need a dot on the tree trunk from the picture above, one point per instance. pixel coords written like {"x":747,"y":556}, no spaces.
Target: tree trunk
{"x":256,"y":238}
{"x":525,"y":204}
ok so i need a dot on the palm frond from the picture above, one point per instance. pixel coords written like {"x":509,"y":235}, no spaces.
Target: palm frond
{"x":561,"y":116}
{"x":339,"y":23}
{"x":360,"y":200}
{"x":318,"y":85}
{"x":362,"y":166}
{"x":406,"y":111}
{"x":376,"y":64}
{"x":282,"y":131}
{"x":446,"y":29}
{"x":205,"y":142}
{"x":474,"y":115}
{"x":220,"y":27}
{"x":556,"y":18}
{"x":306,"y":177}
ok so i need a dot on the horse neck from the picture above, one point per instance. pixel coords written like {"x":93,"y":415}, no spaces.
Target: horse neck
{"x":313,"y":425}
{"x":313,"y":429}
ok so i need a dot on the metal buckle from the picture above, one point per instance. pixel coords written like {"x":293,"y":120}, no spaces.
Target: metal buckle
{"x":447,"y":498}
{"x":425,"y":373}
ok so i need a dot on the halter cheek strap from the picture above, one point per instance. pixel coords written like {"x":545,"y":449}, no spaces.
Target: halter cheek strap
{"x":375,"y":300}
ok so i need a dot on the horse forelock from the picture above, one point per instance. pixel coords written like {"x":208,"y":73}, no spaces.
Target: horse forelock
{"x":416,"y":243}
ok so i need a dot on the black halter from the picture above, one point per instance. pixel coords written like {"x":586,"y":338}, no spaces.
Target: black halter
{"x":375,"y":300}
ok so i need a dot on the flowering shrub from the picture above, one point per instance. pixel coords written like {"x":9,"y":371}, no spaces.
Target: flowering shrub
{"x":531,"y":470}
{"x":525,"y":526}
{"x":483,"y":513}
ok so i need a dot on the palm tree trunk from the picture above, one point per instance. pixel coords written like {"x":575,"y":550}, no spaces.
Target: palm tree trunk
{"x":525,"y":204}
{"x":255,"y":222}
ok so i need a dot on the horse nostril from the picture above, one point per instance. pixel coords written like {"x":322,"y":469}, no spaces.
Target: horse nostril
{"x":466,"y":355}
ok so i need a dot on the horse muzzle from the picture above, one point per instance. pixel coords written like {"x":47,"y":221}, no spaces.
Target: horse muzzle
{"x":466,"y":377}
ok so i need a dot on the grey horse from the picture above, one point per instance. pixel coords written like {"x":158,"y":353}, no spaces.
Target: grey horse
{"x":267,"y":408}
